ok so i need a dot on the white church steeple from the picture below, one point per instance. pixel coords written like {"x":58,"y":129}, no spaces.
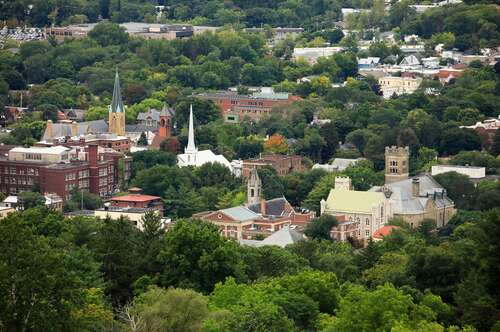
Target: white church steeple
{"x":191,"y":147}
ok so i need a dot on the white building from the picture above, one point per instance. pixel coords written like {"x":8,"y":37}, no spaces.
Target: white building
{"x":311,"y":54}
{"x":471,"y":171}
{"x":393,"y":85}
{"x":193,"y":157}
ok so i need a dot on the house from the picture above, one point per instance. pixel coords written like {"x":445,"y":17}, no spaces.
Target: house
{"x":394,"y":85}
{"x":360,"y":213}
{"x":486,"y":129}
{"x":52,"y":201}
{"x":447,"y":75}
{"x":193,"y":157}
{"x":410,"y":61}
{"x":134,"y":214}
{"x":368,"y":62}
{"x":149,"y":119}
{"x":430,"y":62}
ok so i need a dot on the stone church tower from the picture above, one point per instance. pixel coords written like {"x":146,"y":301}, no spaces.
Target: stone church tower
{"x":116,"y":116}
{"x":254,"y":187}
{"x":396,"y":163}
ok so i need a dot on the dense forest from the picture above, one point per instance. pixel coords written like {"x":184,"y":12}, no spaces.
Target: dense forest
{"x":80,"y":274}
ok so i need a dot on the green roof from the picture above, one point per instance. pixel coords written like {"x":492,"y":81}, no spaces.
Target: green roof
{"x":352,"y":201}
{"x":116,"y":102}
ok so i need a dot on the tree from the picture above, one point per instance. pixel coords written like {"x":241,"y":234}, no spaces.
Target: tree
{"x":151,"y":241}
{"x":30,"y":199}
{"x":319,"y":228}
{"x":143,"y":140}
{"x":390,"y":268}
{"x":36,"y":290}
{"x":172,"y":310}
{"x":116,"y":247}
{"x":106,"y":33}
{"x":495,"y":147}
{"x":458,"y":186}
{"x":378,"y":310}
{"x":201,"y":255}
{"x":276,"y":144}
{"x":271,"y":183}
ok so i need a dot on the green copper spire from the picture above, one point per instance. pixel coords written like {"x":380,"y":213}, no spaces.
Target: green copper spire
{"x":116,"y":102}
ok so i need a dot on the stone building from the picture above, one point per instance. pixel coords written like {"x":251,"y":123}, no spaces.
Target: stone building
{"x":419,"y":198}
{"x":396,"y":163}
{"x":360,"y":213}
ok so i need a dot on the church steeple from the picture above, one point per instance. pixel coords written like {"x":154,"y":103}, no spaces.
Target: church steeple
{"x":116,"y":102}
{"x":191,"y":147}
{"x":116,"y":115}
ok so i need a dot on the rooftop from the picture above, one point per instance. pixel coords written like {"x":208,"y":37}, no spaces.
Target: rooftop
{"x":135,"y":198}
{"x":240,"y":213}
{"x":352,"y":201}
{"x":42,"y":150}
{"x":384,"y":231}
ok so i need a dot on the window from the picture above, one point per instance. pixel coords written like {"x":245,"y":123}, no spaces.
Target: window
{"x":367,"y":221}
{"x":367,"y":233}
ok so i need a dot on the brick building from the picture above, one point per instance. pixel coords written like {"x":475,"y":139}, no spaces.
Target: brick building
{"x":236,"y":107}
{"x":283,"y":164}
{"x":59,"y":169}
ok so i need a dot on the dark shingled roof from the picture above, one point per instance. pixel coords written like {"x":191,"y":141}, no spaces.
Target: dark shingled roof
{"x":274,"y":207}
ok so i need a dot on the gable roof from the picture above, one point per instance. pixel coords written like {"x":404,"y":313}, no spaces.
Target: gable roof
{"x":282,"y":238}
{"x":403,"y":201}
{"x":274,"y":207}
{"x":64,"y":129}
{"x":352,"y":201}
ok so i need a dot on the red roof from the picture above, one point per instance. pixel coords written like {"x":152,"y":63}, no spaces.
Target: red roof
{"x":384,"y":231}
{"x":135,"y":198}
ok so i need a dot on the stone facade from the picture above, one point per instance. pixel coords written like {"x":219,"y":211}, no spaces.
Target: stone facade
{"x":396,"y":163}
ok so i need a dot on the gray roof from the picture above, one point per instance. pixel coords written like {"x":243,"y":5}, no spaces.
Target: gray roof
{"x":342,"y":163}
{"x":88,"y":127}
{"x":274,"y":207}
{"x":152,"y":113}
{"x":240,"y":213}
{"x":281,"y":238}
{"x":404,"y":202}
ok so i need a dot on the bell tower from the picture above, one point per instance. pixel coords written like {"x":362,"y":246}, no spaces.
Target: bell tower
{"x":166,"y":122}
{"x":116,"y":116}
{"x":396,"y":163}
{"x":254,"y":187}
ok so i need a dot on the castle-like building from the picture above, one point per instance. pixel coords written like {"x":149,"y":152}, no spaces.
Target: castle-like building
{"x":362,"y":213}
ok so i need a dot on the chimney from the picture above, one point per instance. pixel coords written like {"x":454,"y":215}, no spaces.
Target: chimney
{"x":74,"y":128}
{"x":93,"y":155}
{"x":415,"y":187}
{"x":48,"y":128}
{"x":263,"y":207}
